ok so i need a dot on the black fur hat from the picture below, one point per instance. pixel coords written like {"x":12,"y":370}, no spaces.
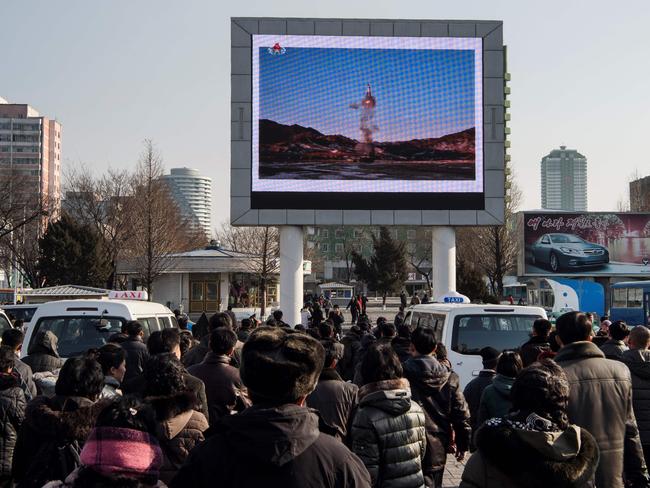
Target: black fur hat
{"x":279,"y":367}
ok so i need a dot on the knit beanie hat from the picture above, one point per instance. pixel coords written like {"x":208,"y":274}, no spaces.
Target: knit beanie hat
{"x":129,"y":453}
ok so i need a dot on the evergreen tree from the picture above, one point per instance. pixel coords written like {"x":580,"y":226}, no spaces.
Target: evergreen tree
{"x":386,"y":270}
{"x":72,"y":254}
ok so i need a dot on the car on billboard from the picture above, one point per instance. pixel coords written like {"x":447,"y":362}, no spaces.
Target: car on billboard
{"x":567,"y":251}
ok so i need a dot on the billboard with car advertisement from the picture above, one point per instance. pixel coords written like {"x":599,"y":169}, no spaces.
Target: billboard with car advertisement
{"x":585,"y":244}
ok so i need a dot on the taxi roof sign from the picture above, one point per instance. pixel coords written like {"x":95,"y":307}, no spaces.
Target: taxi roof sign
{"x":128,"y":295}
{"x":453,"y":297}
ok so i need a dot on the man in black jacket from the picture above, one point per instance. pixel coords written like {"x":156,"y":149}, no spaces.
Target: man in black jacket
{"x":136,"y":352}
{"x":600,"y":401}
{"x":14,"y":338}
{"x":474,"y":388}
{"x":637,"y":358}
{"x":537,"y":344}
{"x":275,"y":443}
{"x":437,"y":390}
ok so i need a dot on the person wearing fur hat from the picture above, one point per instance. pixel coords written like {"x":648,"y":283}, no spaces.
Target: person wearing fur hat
{"x":276,"y":442}
{"x":534,"y":446}
{"x":180,"y":426}
{"x":388,"y":430}
{"x":55,"y":428}
{"x":121,"y":451}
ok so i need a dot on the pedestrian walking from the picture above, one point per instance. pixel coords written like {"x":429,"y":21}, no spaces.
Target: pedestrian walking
{"x":12,"y":412}
{"x":538,"y":343}
{"x":14,"y":338}
{"x":353,"y":305}
{"x":474,"y":389}
{"x":496,"y":401}
{"x":136,"y":351}
{"x":43,"y":353}
{"x":112,"y":359}
{"x":615,"y":347}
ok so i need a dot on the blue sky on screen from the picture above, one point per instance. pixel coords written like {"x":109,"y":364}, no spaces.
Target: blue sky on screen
{"x":420,"y":93}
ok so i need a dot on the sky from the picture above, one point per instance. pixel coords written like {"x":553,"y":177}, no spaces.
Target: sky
{"x":419,"y":93}
{"x":116,"y":73}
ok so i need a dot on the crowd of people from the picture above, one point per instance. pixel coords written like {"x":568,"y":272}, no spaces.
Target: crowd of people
{"x":244,"y":404}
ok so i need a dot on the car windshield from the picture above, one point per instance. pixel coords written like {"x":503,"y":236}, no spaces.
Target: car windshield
{"x":471,"y":333}
{"x":566,"y":239}
{"x":78,"y":334}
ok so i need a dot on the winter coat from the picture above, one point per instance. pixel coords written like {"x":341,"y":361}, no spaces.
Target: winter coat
{"x":224,"y":389}
{"x":26,"y":379}
{"x":12,"y":413}
{"x":51,"y":423}
{"x":600,"y":401}
{"x":512,"y":457}
{"x":437,"y":390}
{"x":137,"y":385}
{"x":43,"y":354}
{"x":351,"y":347}
{"x":613,"y":349}
{"x":402,"y":347}
{"x":136,"y":356}
{"x":531,"y":350}
{"x":388,"y":434}
{"x":277,"y":447}
{"x":495,"y":401}
{"x":180,"y":428}
{"x":111,"y":388}
{"x":335,"y":400}
{"x":367,"y":340}
{"x":638,"y":361}
{"x":473,"y":392}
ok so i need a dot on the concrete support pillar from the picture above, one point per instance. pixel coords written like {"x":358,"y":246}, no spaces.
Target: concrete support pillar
{"x":443,"y":261}
{"x":224,"y":291}
{"x":291,"y":277}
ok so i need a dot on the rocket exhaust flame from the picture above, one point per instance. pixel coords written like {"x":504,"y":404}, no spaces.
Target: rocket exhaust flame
{"x":367,"y":122}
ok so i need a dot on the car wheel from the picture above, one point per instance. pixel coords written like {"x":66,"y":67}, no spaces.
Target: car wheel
{"x":554,"y":262}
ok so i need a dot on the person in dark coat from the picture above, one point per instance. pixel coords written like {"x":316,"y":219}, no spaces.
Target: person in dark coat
{"x":12,"y":412}
{"x":14,"y":338}
{"x":180,"y":426}
{"x":337,"y":319}
{"x":402,"y":343}
{"x":198,"y":352}
{"x":55,"y":428}
{"x":223,"y":387}
{"x":136,"y":351}
{"x":538,"y":343}
{"x":351,"y":345}
{"x":43,"y":354}
{"x":437,"y":390}
{"x":495,"y":401}
{"x":163,"y":342}
{"x":388,"y":430}
{"x":602,"y":336}
{"x":276,"y":442}
{"x":637,"y":359}
{"x":333,"y":398}
{"x":316,"y":316}
{"x":399,"y":316}
{"x":202,"y":327}
{"x":535,"y":446}
{"x":353,"y":305}
{"x":600,"y":401}
{"x":615,"y":347}
{"x":233,"y":317}
{"x":474,"y":389}
{"x":402,"y":300}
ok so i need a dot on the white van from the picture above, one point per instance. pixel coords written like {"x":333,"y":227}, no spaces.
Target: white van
{"x":465,"y":329}
{"x":84,"y":324}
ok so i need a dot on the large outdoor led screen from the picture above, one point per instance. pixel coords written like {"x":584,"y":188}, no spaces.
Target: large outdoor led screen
{"x":367,"y":122}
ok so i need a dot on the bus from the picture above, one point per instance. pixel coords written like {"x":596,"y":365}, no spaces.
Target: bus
{"x":515,"y":290}
{"x":631,"y":302}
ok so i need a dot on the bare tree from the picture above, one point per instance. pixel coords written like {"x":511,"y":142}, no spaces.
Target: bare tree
{"x":102,"y":203}
{"x":418,"y":253}
{"x":158,"y":231}
{"x":494,"y":249}
{"x":261,"y":246}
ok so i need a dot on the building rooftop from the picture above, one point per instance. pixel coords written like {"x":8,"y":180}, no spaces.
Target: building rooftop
{"x":66,"y":290}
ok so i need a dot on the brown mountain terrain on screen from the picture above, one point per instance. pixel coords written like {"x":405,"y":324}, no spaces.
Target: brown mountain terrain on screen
{"x":288,"y":143}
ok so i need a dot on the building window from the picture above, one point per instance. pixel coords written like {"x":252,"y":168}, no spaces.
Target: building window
{"x":411,"y":247}
{"x":410,"y":234}
{"x":324,"y":233}
{"x":338,"y":248}
{"x":324,"y":247}
{"x":338,"y":233}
